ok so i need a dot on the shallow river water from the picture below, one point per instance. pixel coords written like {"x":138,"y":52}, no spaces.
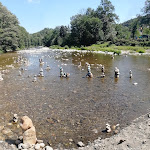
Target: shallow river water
{"x":75,"y":108}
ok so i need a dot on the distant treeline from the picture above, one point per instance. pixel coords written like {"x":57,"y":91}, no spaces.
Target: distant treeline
{"x":91,"y":27}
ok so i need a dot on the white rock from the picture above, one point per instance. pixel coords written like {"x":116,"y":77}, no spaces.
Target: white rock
{"x":80,"y":144}
{"x":108,"y":129}
{"x":42,"y":145}
{"x":48,"y":148}
{"x":20,"y":146}
{"x":13,"y":146}
{"x":39,"y":141}
{"x":23,"y":146}
{"x":135,"y":83}
{"x":26,"y":146}
{"x":37,"y":146}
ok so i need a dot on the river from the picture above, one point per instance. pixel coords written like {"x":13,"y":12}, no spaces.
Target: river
{"x":75,"y":108}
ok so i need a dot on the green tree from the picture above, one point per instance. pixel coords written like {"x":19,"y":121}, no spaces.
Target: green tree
{"x":12,"y":36}
{"x":86,"y":30}
{"x":24,"y":38}
{"x":146,"y":30}
{"x":105,"y":12}
{"x":8,"y":30}
{"x":146,"y":8}
{"x":122,"y":32}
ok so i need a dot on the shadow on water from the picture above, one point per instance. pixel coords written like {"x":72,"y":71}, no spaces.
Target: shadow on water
{"x":74,"y":108}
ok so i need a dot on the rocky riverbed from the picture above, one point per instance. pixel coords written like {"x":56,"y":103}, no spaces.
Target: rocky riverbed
{"x":134,"y":137}
{"x":78,"y":112}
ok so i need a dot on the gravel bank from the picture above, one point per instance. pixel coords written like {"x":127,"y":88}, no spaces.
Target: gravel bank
{"x":134,"y":137}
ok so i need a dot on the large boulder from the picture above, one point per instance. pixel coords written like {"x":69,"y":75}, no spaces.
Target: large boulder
{"x":29,"y":135}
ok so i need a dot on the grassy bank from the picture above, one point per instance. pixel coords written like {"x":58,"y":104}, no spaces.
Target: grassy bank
{"x":1,"y":52}
{"x":106,"y":47}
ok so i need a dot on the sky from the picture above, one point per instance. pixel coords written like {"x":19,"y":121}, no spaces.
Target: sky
{"x":35,"y":15}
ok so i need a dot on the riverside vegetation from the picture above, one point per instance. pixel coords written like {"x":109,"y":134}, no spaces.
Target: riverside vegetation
{"x":92,"y":30}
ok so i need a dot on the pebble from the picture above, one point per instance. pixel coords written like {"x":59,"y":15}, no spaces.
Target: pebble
{"x":20,"y":146}
{"x":39,"y":141}
{"x":71,"y":140}
{"x":13,"y":146}
{"x":116,"y":131}
{"x":144,"y":142}
{"x":80,"y":144}
{"x":135,"y":83}
{"x":42,"y":145}
{"x":95,"y":131}
{"x":37,"y":146}
{"x":6,"y":131}
{"x":9,"y":124}
{"x":20,"y":138}
{"x":48,"y":148}
{"x":1,"y":128}
{"x":17,"y":142}
{"x":23,"y":146}
{"x":148,"y":122}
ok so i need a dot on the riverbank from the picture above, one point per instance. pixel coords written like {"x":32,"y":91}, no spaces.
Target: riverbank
{"x":122,"y":52}
{"x":134,"y":137}
{"x":108,"y":48}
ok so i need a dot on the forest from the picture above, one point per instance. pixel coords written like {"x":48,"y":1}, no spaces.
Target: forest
{"x":97,"y":27}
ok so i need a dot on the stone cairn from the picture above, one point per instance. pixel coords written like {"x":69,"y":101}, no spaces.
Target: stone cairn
{"x":48,"y":68}
{"x":108,"y":128}
{"x":29,"y":141}
{"x":114,"y":128}
{"x":1,"y":78}
{"x":103,"y":75}
{"x":112,"y":57}
{"x":20,"y":73}
{"x":89,"y":74}
{"x":41,"y":74}
{"x":41,"y":61}
{"x":15,"y":118}
{"x":130,"y":74}
{"x":103,"y":68}
{"x":34,"y":79}
{"x":79,"y":66}
{"x":63,"y":74}
{"x":29,"y":135}
{"x":116,"y":72}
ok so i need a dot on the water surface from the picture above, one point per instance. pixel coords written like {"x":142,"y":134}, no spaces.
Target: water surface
{"x":73,"y":108}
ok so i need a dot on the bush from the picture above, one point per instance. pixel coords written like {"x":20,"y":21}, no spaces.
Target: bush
{"x":1,"y":51}
{"x":66,"y":47}
{"x":117,"y":52}
{"x":141,"y":51}
{"x":83,"y":48}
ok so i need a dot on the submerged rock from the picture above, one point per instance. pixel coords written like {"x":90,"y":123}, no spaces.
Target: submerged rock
{"x":6,"y":131}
